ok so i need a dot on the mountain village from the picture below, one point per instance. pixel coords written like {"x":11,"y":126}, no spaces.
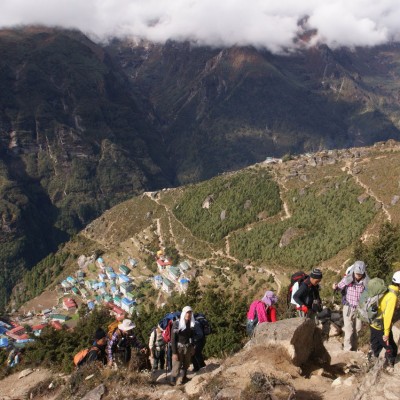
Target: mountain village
{"x":95,"y":283}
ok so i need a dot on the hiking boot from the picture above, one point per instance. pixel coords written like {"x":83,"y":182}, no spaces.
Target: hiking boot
{"x":389,"y":369}
{"x":185,"y":379}
{"x":172,"y":382}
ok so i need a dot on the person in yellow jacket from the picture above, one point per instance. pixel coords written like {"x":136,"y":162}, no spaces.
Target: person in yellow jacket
{"x":381,"y":328}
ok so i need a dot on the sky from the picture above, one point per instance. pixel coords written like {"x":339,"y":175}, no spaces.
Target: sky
{"x":262,"y":23}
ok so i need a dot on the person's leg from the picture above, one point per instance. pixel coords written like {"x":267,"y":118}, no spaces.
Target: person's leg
{"x":391,"y":350}
{"x":199,"y":350}
{"x":347,"y":327}
{"x":358,"y":327}
{"x":162,"y":358}
{"x":156,"y":359}
{"x":176,"y":366}
{"x":377,"y":343}
{"x":187,"y":355}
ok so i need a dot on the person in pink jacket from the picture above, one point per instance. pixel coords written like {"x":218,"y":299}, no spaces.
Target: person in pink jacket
{"x":261,"y":311}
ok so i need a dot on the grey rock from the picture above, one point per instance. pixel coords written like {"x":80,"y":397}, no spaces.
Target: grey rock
{"x":247,"y":204}
{"x":298,"y":336}
{"x":24,"y":373}
{"x":229,"y":394}
{"x":223,"y":215}
{"x":95,"y":394}
{"x":395,"y":199}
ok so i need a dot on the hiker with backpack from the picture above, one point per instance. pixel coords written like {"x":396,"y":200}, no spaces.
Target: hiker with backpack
{"x":352,"y":285}
{"x":120,"y":343}
{"x":95,"y":353}
{"x":295,"y":281}
{"x":157,"y":348}
{"x":201,"y":330}
{"x":182,"y":345}
{"x":381,"y":325}
{"x":261,"y":311}
{"x":307,"y":296}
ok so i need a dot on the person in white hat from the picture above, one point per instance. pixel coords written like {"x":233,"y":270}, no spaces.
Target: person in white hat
{"x":121,"y":342}
{"x":352,"y":285}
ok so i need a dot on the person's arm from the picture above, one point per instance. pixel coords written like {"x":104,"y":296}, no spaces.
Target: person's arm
{"x":388,"y":312}
{"x":342,"y":284}
{"x":300,"y":294}
{"x":272,"y":312}
{"x":174,"y":339}
{"x":109,"y":348}
{"x":152,"y":341}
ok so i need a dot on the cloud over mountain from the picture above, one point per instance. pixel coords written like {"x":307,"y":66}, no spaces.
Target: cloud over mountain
{"x":262,"y":23}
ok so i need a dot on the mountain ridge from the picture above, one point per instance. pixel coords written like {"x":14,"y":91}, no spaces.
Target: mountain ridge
{"x":85,"y":125}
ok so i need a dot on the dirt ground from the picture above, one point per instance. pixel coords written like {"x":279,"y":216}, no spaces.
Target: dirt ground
{"x":47,"y":299}
{"x":15,"y":388}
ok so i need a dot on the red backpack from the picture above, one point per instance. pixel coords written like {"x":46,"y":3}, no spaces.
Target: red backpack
{"x":167,"y":332}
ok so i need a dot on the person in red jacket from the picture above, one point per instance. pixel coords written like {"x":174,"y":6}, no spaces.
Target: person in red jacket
{"x":261,"y":311}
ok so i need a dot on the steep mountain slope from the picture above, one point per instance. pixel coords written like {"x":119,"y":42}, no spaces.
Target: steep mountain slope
{"x":84,"y":126}
{"x":244,"y":229}
{"x":226,"y":108}
{"x":74,"y":139}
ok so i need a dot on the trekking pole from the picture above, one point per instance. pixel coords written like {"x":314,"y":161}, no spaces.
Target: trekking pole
{"x":166,"y":362}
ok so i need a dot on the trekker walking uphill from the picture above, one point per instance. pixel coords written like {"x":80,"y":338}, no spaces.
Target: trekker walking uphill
{"x":202,"y":329}
{"x":182,"y":344}
{"x":307,"y":296}
{"x":121,"y":342}
{"x":157,"y":348}
{"x":352,"y":285}
{"x":261,"y":311}
{"x":381,"y":326}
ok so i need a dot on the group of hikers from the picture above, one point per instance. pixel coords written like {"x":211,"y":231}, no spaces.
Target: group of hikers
{"x":175,"y":345}
{"x":363,"y":299}
{"x":178,"y":340}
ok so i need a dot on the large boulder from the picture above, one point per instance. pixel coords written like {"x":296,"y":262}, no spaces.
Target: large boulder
{"x":298,"y":336}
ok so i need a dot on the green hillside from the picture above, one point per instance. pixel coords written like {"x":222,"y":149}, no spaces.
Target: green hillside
{"x":247,"y":230}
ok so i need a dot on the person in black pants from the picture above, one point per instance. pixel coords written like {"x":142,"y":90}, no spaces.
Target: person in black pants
{"x":199,"y":340}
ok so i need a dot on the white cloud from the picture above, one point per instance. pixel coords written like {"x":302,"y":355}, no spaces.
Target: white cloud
{"x":263,"y":23}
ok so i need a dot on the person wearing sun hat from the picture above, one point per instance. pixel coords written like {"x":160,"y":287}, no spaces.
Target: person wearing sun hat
{"x":121,"y":342}
{"x":307,"y":296}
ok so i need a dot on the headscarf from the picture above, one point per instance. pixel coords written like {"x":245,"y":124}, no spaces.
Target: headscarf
{"x":269,"y":298}
{"x":182,"y":321}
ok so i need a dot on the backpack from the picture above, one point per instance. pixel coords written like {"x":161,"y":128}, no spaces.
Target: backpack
{"x":299,"y":277}
{"x":252,"y":317}
{"x":205,"y":325}
{"x":157,"y":343}
{"x":80,"y":356}
{"x":112,"y":328}
{"x":166,"y":325}
{"x":367,"y":309}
